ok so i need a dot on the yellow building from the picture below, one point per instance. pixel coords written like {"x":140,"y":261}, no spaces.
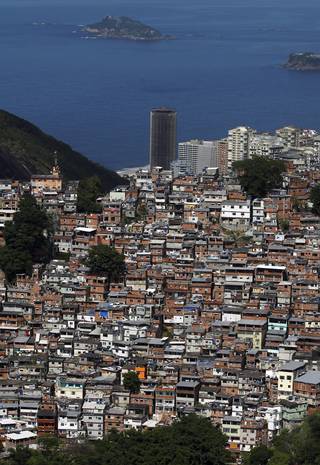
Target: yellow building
{"x":286,"y":376}
{"x":253,"y":331}
{"x":47,"y":182}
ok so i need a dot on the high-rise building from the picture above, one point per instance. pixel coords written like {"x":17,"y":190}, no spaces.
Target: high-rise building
{"x":266,"y":145}
{"x":290,"y":135}
{"x":195,"y":155}
{"x":239,"y":144}
{"x":222,"y":156}
{"x":163,"y":137}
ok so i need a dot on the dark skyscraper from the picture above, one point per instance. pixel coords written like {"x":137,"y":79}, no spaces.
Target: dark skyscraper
{"x":163,"y":137}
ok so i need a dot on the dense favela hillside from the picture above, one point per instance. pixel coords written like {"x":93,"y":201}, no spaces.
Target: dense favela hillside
{"x":26,"y":150}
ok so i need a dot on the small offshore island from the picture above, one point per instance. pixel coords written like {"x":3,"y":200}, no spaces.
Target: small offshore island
{"x":123,"y":27}
{"x":303,"y":61}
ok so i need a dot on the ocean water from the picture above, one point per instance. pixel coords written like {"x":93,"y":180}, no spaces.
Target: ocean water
{"x":222,"y":70}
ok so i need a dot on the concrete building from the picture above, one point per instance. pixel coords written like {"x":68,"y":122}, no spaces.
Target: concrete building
{"x":317,"y":146}
{"x":307,"y":388}
{"x":266,"y":145}
{"x":286,"y":376}
{"x":290,"y":135}
{"x":231,"y":427}
{"x":258,"y":212}
{"x":195,"y":155}
{"x":239,"y":144}
{"x":235,"y":213}
{"x":163,"y":137}
{"x":47,"y":182}
{"x":222,"y":156}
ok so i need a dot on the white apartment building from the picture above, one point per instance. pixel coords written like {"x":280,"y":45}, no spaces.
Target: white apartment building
{"x":273,"y":416}
{"x":195,"y":155}
{"x":317,"y":147}
{"x":6,"y":215}
{"x":239,"y":144}
{"x":290,"y":135}
{"x":235,"y":213}
{"x":258,"y":212}
{"x":266,"y":145}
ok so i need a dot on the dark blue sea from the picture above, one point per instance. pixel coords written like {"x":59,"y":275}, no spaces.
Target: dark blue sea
{"x":222,"y":70}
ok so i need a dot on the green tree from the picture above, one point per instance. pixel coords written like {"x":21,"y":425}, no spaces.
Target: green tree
{"x":296,"y":204}
{"x":238,"y":236}
{"x":259,"y":175}
{"x":88,"y":191}
{"x":284,"y":225}
{"x":27,"y":239}
{"x":142,"y":212}
{"x":131,"y":382}
{"x":301,"y":446}
{"x":49,"y":444}
{"x":279,"y":458}
{"x":260,"y":455}
{"x":106,"y":261}
{"x":14,"y":261}
{"x":192,"y":440}
{"x":315,"y":199}
{"x":19,"y":456}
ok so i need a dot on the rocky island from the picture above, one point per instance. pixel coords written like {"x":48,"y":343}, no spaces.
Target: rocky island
{"x":113,"y":27}
{"x":303,"y":61}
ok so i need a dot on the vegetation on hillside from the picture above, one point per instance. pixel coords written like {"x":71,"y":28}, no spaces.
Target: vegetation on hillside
{"x":298,"y":447}
{"x":88,"y":191}
{"x":26,"y":150}
{"x":106,"y":261}
{"x":27,"y":239}
{"x":315,"y":199}
{"x":191,"y":441}
{"x":131,"y":382}
{"x":259,"y":175}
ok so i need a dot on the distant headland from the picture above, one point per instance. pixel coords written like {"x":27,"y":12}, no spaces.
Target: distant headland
{"x":303,"y":61}
{"x":123,"y":27}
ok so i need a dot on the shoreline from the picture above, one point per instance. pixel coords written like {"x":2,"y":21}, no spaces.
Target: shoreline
{"x":130,"y":171}
{"x":132,"y":38}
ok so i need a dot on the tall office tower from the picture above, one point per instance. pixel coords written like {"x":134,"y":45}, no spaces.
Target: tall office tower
{"x":163,"y":137}
{"x":239,"y":144}
{"x":195,"y":155}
